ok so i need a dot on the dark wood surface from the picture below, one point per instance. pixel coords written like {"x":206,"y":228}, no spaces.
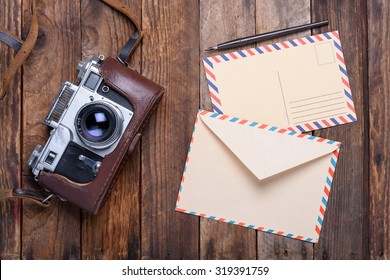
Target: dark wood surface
{"x":138,"y":220}
{"x":345,"y":229}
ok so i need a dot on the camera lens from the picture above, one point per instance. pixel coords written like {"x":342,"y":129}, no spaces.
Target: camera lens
{"x":98,"y":125}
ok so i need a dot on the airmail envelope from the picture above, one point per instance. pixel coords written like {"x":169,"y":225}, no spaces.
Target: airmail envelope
{"x":300,"y":84}
{"x":257,"y":176}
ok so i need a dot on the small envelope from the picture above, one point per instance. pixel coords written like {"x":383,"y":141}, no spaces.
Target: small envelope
{"x":257,"y":176}
{"x":300,"y":84}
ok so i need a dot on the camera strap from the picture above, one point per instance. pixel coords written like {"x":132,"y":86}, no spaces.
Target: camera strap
{"x":24,"y":48}
{"x":128,"y":49}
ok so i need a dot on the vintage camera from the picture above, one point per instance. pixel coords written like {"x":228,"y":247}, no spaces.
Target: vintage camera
{"x":87,"y":121}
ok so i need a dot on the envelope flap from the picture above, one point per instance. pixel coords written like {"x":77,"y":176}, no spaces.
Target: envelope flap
{"x":266,"y":150}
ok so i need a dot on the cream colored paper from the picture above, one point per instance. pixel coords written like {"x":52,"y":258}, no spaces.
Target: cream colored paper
{"x":255,"y":176}
{"x":289,"y":87}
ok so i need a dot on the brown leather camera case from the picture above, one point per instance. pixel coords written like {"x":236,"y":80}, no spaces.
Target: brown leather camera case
{"x":144,"y":95}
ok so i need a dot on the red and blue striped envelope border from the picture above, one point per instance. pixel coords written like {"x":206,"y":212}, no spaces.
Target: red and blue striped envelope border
{"x":327,"y":184}
{"x":350,"y":116}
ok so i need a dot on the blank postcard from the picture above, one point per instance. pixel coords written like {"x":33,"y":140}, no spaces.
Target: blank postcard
{"x":299,"y":84}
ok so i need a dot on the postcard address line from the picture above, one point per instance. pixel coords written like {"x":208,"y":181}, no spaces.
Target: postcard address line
{"x":333,"y":105}
{"x":332,"y":109}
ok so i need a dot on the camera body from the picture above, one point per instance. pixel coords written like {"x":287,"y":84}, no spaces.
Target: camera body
{"x":87,"y":123}
{"x":95,"y":126}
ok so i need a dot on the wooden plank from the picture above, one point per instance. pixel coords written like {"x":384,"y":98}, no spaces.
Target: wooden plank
{"x":276,"y":247}
{"x":222,"y":21}
{"x":278,"y":14}
{"x":114,"y":233}
{"x":274,"y":15}
{"x":345,"y":230}
{"x":54,"y":232}
{"x":379,"y":100}
{"x":170,"y":57}
{"x":10,"y":108}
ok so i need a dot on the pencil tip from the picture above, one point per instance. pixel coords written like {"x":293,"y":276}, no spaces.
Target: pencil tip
{"x":211,"y":49}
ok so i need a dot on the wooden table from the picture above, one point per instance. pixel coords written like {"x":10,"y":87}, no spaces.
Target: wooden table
{"x":138,"y":220}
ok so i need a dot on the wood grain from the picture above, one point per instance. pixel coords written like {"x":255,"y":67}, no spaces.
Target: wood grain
{"x":138,"y":220}
{"x":54,"y":232}
{"x":344,"y":233}
{"x":10,"y":137}
{"x":114,"y":233}
{"x":276,"y":247}
{"x":221,"y":21}
{"x":170,"y":57}
{"x":379,"y":100}
{"x":278,"y":14}
{"x":274,"y":15}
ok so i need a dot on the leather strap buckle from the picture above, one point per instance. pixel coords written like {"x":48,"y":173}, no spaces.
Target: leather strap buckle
{"x":40,"y":197}
{"x":121,"y":61}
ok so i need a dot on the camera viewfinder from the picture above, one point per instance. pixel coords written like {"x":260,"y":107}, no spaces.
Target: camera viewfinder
{"x":92,"y":81}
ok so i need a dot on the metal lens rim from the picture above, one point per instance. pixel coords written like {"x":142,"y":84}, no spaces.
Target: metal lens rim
{"x":110,"y":136}
{"x":88,"y":112}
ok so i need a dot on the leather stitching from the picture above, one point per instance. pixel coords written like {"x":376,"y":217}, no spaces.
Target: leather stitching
{"x":150,"y":108}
